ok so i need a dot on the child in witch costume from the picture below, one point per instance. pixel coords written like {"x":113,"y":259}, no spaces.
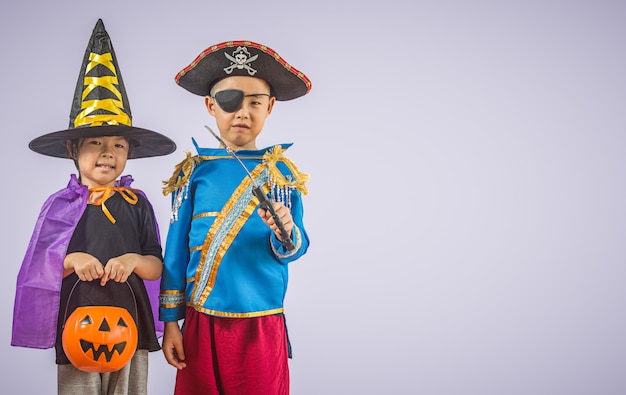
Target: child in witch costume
{"x":226,"y":260}
{"x":96,"y":241}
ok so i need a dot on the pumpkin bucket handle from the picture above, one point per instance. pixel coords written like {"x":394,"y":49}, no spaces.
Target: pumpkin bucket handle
{"x":69,"y":297}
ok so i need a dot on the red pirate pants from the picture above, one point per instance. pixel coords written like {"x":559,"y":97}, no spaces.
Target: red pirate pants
{"x":234,"y":356}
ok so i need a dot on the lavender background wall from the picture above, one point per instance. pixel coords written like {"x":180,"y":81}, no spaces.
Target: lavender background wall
{"x":467,"y":179}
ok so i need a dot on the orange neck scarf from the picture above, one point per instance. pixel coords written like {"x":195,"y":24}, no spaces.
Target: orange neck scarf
{"x":126,"y":193}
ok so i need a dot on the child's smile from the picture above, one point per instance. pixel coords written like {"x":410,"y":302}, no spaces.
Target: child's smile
{"x":105,"y":166}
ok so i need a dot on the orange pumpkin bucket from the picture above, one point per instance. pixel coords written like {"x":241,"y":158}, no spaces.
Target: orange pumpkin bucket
{"x":99,"y":338}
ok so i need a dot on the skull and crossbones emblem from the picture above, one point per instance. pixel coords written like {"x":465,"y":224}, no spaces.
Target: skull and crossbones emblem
{"x":241,"y":60}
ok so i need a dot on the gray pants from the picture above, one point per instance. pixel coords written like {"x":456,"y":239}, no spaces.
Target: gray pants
{"x":132,"y":379}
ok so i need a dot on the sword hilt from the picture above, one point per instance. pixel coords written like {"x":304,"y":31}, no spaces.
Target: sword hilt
{"x":266,"y":204}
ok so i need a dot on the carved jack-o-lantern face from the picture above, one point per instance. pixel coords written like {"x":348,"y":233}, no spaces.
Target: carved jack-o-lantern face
{"x":99,"y":338}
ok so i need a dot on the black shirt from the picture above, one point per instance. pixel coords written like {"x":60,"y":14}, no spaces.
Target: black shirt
{"x":134,"y":232}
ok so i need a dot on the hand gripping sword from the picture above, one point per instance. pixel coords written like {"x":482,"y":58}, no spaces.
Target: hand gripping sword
{"x":264,"y":201}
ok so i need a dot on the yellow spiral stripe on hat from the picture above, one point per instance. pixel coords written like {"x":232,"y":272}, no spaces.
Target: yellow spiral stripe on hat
{"x":115,"y":107}
{"x":300,"y":179}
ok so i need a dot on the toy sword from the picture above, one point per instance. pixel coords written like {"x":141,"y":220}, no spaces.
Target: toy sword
{"x":264,"y":201}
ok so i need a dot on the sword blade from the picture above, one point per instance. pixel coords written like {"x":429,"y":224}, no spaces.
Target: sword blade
{"x":264,"y":201}
{"x":231,"y":152}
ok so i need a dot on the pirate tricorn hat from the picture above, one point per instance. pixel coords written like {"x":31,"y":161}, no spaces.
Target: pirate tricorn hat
{"x":100,"y":107}
{"x":245,"y":58}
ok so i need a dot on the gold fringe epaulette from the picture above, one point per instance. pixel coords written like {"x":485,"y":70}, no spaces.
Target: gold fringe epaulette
{"x":299,"y":180}
{"x":181,"y":174}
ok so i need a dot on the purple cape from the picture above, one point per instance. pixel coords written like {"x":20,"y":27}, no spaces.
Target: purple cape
{"x":39,"y":281}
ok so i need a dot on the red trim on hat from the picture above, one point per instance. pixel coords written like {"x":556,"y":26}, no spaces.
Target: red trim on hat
{"x":264,"y":48}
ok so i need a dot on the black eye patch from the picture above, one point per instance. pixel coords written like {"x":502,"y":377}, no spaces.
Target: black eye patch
{"x":229,"y":100}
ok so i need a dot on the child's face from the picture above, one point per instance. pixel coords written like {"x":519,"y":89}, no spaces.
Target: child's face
{"x":101,"y":160}
{"x":240,"y":129}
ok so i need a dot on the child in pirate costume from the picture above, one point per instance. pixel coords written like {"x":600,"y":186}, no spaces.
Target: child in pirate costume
{"x":96,"y":242}
{"x":226,"y":259}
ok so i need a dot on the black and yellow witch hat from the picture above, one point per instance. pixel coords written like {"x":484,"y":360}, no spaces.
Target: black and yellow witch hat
{"x":101,"y":108}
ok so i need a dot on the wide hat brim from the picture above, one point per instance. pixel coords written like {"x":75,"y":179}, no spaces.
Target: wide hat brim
{"x":217,"y":62}
{"x":145,"y":143}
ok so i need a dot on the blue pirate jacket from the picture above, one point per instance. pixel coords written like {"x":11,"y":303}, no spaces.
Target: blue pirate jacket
{"x":220,"y":257}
